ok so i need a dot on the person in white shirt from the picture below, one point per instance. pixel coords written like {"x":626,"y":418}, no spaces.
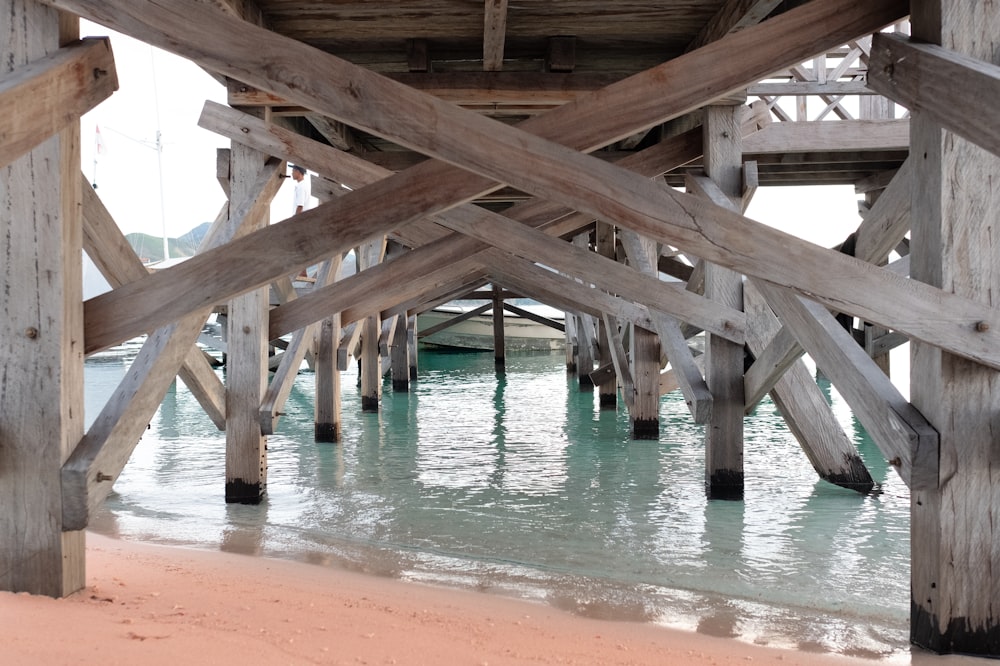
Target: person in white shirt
{"x":303,"y":193}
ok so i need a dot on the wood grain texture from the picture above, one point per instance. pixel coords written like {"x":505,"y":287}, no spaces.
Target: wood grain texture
{"x":950,"y":87}
{"x":804,"y":407}
{"x":955,"y":565}
{"x":236,"y":49}
{"x":41,"y":361}
{"x":43,"y":96}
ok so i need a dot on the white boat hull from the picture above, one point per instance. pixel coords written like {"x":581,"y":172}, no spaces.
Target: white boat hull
{"x":476,"y":333}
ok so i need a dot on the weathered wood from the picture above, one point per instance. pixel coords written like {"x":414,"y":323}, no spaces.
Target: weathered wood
{"x":607,"y":385}
{"x":902,"y":434}
{"x":281,"y":382}
{"x":620,"y":360}
{"x":499,"y":356}
{"x":692,"y":383}
{"x":527,"y":314}
{"x":887,"y":222}
{"x":778,"y":355}
{"x":246,"y":356}
{"x":116,"y":260}
{"x":948,"y":86}
{"x":804,"y":407}
{"x":113,"y":435}
{"x":733,"y":15}
{"x":327,"y":381}
{"x":955,"y":559}
{"x":644,"y":412}
{"x":371,"y":254}
{"x":41,"y":394}
{"x":494,"y":33}
{"x":843,"y":135}
{"x":724,"y":359}
{"x":41,"y":97}
{"x":400,"y":353}
{"x":239,"y":51}
{"x":276,"y":141}
{"x":457,"y":319}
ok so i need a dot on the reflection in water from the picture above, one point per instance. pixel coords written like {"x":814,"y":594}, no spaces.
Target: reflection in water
{"x":517,"y":483}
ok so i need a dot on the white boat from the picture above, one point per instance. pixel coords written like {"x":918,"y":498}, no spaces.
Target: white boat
{"x":476,"y":332}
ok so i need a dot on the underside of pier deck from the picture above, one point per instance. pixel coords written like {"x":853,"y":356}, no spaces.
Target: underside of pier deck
{"x":598,"y":157}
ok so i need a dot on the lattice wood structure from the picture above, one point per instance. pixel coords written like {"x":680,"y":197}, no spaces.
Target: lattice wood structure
{"x":531,"y":147}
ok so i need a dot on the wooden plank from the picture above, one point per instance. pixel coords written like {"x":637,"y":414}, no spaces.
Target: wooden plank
{"x":724,"y":358}
{"x":118,"y":263}
{"x":777,"y":356}
{"x":43,"y":96}
{"x":793,"y":33}
{"x":607,"y":274}
{"x":840,"y":136}
{"x":950,"y":87}
{"x":620,"y":360}
{"x":281,"y":382}
{"x":41,"y":393}
{"x":887,"y":222}
{"x":955,"y":559}
{"x":246,"y":354}
{"x":692,"y":383}
{"x":494,"y":34}
{"x":107,"y":445}
{"x":526,"y":314}
{"x":901,"y":433}
{"x":804,"y":407}
{"x":733,"y":15}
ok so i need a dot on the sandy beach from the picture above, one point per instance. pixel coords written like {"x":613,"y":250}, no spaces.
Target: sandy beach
{"x":159,"y":605}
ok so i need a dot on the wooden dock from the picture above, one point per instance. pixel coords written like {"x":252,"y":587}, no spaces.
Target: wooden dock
{"x":575,"y":153}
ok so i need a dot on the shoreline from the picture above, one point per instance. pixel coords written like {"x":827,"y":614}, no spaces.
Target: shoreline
{"x":157,"y":604}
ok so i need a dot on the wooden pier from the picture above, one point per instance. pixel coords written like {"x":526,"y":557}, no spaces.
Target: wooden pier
{"x":598,"y":159}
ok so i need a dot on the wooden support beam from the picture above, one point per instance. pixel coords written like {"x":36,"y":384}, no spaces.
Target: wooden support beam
{"x":371,"y":254}
{"x":41,"y":394}
{"x":733,"y":15}
{"x":499,"y":355}
{"x":552,"y":171}
{"x":724,"y":358}
{"x":955,"y":559}
{"x":327,"y":406}
{"x":113,"y":435}
{"x":527,"y":314}
{"x":118,"y":263}
{"x":400,"y":355}
{"x":948,"y":86}
{"x":41,"y":97}
{"x":804,"y":407}
{"x":689,"y":377}
{"x":585,"y":324}
{"x":902,"y":434}
{"x":605,"y":244}
{"x":280,"y":386}
{"x":841,"y":136}
{"x":246,"y":355}
{"x":494,"y":34}
{"x":620,"y":360}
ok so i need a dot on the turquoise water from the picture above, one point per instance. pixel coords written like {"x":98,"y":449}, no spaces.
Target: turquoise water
{"x":517,"y":484}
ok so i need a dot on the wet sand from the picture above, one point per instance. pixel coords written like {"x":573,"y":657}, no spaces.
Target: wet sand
{"x":161,"y":605}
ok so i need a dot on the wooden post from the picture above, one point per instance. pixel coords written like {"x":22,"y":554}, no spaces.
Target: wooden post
{"x":644,"y":413}
{"x":571,"y":343}
{"x":399,"y":353}
{"x":607,"y":392}
{"x":371,"y":361}
{"x":41,"y":325}
{"x":724,"y":360}
{"x":499,"y":355}
{"x":246,"y":357}
{"x":955,"y":573}
{"x":411,"y":344}
{"x":584,"y":333}
{"x":327,"y":415}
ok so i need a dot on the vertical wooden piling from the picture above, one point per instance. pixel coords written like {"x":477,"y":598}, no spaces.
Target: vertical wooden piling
{"x":585,"y":333}
{"x":499,"y":354}
{"x":41,"y":328}
{"x":371,"y":362}
{"x":644,"y":416}
{"x":955,"y":573}
{"x":607,"y":392}
{"x":327,"y":414}
{"x":411,"y":345}
{"x":246,"y":357}
{"x":399,"y":352}
{"x":724,"y":360}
